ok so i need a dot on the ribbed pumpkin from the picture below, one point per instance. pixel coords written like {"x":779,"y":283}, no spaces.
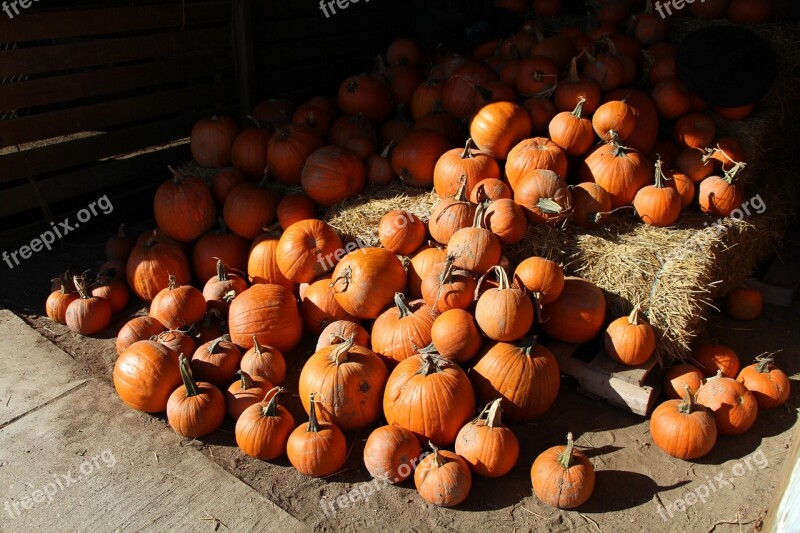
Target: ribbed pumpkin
{"x":262,"y":263}
{"x":695,"y":130}
{"x":195,"y":409}
{"x":459,"y":94}
{"x":734,"y":407}
{"x":145,"y":374}
{"x":455,"y":163}
{"x":365,"y":281}
{"x":221,"y":289}
{"x":683,"y":428}
{"x":313,"y":117}
{"x":538,"y":153}
{"x":446,"y":287}
{"x":720,"y":196}
{"x":378,"y":167}
{"x":184,"y":207}
{"x":545,"y":198}
{"x":490,"y":448}
{"x":211,"y":140}
{"x":427,"y":96}
{"x":769,"y":384}
{"x":676,"y":376}
{"x":114,"y":290}
{"x":523,"y":373}
{"x":391,"y":454}
{"x":294,"y":208}
{"x":591,"y":205}
{"x":59,"y":300}
{"x":347,"y":128}
{"x":577,"y":315}
{"x":499,"y":126}
{"x":319,"y":306}
{"x":263,"y":428}
{"x":683,"y":185}
{"x":450,"y":215}
{"x":150,"y":265}
{"x":250,"y":207}
{"x":658,"y":205}
{"x":570,"y":91}
{"x":218,"y":245}
{"x":349,"y":380}
{"x":476,"y":249}
{"x":264,"y":361}
{"x":137,"y":329}
{"x":562,"y":476}
{"x":443,"y":478}
{"x":572,"y":132}
{"x":270,"y":313}
{"x":629,"y":341}
{"x":614,"y":116}
{"x":177,"y":340}
{"x":87,"y":314}
{"x":645,"y":131}
{"x":307,"y":250}
{"x":288,"y":151}
{"x":506,"y":219}
{"x":341,"y":330}
{"x":400,"y":330}
{"x":414,"y":157}
{"x":332,"y":174}
{"x":178,"y":305}
{"x":504,"y":313}
{"x":543,"y":277}
{"x":620,"y":171}
{"x":367,"y":95}
{"x":249,"y":150}
{"x":490,"y":189}
{"x":693,"y":163}
{"x":401,"y":232}
{"x":245,"y":392}
{"x":217,"y":362}
{"x":429,"y":396}
{"x":455,"y":335}
{"x":316,"y":449}
{"x":713,"y":357}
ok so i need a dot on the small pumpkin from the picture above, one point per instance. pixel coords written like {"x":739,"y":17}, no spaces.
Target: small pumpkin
{"x":450,"y":215}
{"x":400,"y":330}
{"x":289,"y":149}
{"x":114,"y":290}
{"x":629,"y":341}
{"x":562,"y":476}
{"x":217,"y":362}
{"x":265,"y":362}
{"x":420,"y":265}
{"x":120,"y":245}
{"x":447,"y":287}
{"x":692,"y":163}
{"x":415,"y":156}
{"x":59,"y":300}
{"x":544,"y":278}
{"x":250,"y":149}
{"x":573,"y":133}
{"x":217,"y":245}
{"x":87,"y":314}
{"x":316,"y":449}
{"x":443,"y":478}
{"x":544,"y":197}
{"x":713,"y":357}
{"x":591,"y":205}
{"x":541,"y":111}
{"x":616,"y":116}
{"x":244,"y":392}
{"x":683,"y":185}
{"x":262,"y":261}
{"x":367,"y":95}
{"x":684,"y":428}
{"x":506,"y":219}
{"x":268,"y":312}
{"x":177,"y":340}
{"x":365,"y":282}
{"x":391,"y":454}
{"x":307,"y":250}
{"x":577,"y":315}
{"x":401,"y":232}
{"x":504,"y":313}
{"x":538,"y":153}
{"x":150,"y":265}
{"x":378,"y":167}
{"x":676,"y":376}
{"x":341,"y":330}
{"x":658,"y":205}
{"x":489,"y":448}
{"x":619,"y":170}
{"x":319,"y":306}
{"x":211,"y":141}
{"x":490,"y":189}
{"x":769,"y":384}
{"x":476,"y":249}
{"x":455,"y":335}
{"x":137,"y":329}
{"x":196,"y":408}
{"x":178,"y":306}
{"x":263,"y":429}
{"x":456,"y":163}
{"x":735,"y":408}
{"x":499,"y":126}
{"x":695,"y":130}
{"x":744,"y":303}
{"x":145,"y":374}
{"x":221,"y":289}
{"x":294,"y":208}
{"x":573,"y":89}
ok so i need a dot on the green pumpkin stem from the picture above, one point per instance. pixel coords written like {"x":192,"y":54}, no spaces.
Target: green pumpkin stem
{"x":502,"y":280}
{"x":565,"y":457}
{"x":687,"y":406}
{"x":214,"y":348}
{"x":340,"y":351}
{"x":271,"y":409}
{"x":402,"y":305}
{"x":186,"y":376}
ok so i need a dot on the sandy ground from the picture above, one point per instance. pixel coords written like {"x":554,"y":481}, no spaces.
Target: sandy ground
{"x":634,"y":477}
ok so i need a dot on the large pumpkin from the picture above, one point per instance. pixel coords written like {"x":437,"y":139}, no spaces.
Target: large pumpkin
{"x":184,"y":207}
{"x":400,"y":330}
{"x":498,"y":127}
{"x":262,"y":263}
{"x":268,"y":312}
{"x":307,"y":250}
{"x":250,"y":207}
{"x":538,"y":153}
{"x":366,"y":280}
{"x":415,"y":156}
{"x":332,"y":174}
{"x":577,"y":315}
{"x":145,"y":374}
{"x":455,"y":163}
{"x":150,"y":265}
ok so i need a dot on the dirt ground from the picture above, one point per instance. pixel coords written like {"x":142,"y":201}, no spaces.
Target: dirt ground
{"x":634,"y":477}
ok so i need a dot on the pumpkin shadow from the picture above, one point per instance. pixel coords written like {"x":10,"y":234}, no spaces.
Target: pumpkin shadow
{"x":618,"y":490}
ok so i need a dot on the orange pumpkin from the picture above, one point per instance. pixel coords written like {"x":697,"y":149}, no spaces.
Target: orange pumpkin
{"x":499,"y":126}
{"x":365,"y":282}
{"x":695,"y":130}
{"x":245,"y":392}
{"x":591,"y":205}
{"x":59,"y":300}
{"x":504,"y":313}
{"x":196,"y":408}
{"x":219,"y":245}
{"x":693,"y":163}
{"x":177,"y":340}
{"x":263,"y":429}
{"x":544,"y":278}
{"x":367,"y":95}
{"x":769,"y":384}
{"x":262,"y":262}
{"x":294,"y":208}
{"x":317,"y":449}
{"x":319,"y":306}
{"x":620,"y":171}
{"x":249,"y":150}
{"x":211,"y":141}
{"x":400,"y":330}
{"x":629,"y":341}
{"x":577,"y":315}
{"x":713,"y":357}
{"x":675,"y":377}
{"x":616,"y":116}
{"x":506,"y":219}
{"x":490,"y":448}
{"x":307,"y":250}
{"x":538,"y":153}
{"x":145,"y":374}
{"x":268,"y":312}
{"x":446,"y":287}
{"x":744,"y":303}
{"x":476,"y":249}
{"x":683,"y":428}
{"x":450,"y":215}
{"x":544,"y":197}
{"x":137,"y":329}
{"x":456,"y":163}
{"x":490,"y":189}
{"x":573,"y":89}
{"x":455,"y":335}
{"x":288,"y":151}
{"x":415,"y":156}
{"x":150,"y":265}
{"x":114,"y":290}
{"x":573,"y":133}
{"x":178,"y":306}
{"x":658,"y":205}
{"x":391,"y":454}
{"x":443,"y":478}
{"x":420,"y":265}
{"x":222,"y":288}
{"x":735,"y":408}
{"x":401,"y":232}
{"x":562,"y":476}
{"x":264,"y":362}
{"x":332,"y":174}
{"x":341,"y":330}
{"x":217,"y":362}
{"x":87,"y":314}
{"x":721,"y":196}
{"x":250,"y":207}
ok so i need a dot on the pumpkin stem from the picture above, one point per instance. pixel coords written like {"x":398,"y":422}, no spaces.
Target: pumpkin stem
{"x":493,"y":417}
{"x":502,"y":280}
{"x":245,"y":380}
{"x":687,"y":405}
{"x":222,"y":273}
{"x":151,"y":241}
{"x":764,"y":362}
{"x":477,"y":222}
{"x":430,"y":365}
{"x":633,"y":318}
{"x":173,"y":283}
{"x":437,"y":458}
{"x":80,"y":286}
{"x":572,"y":74}
{"x":62,"y":280}
{"x":254,"y":121}
{"x":461,"y":192}
{"x":176,"y":175}
{"x":271,"y":409}
{"x":402,"y":305}
{"x":467,"y":153}
{"x":313,"y":424}
{"x":660,"y":177}
{"x":214,"y":348}
{"x":578,"y":111}
{"x":186,"y":376}
{"x":229,"y":296}
{"x":565,"y":457}
{"x":340,"y":351}
{"x":121,"y":231}
{"x":346,"y":276}
{"x":256,"y":347}
{"x":388,"y":149}
{"x":526,"y":344}
{"x":549,"y":206}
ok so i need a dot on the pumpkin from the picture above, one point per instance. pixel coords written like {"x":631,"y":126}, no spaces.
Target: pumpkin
{"x":249,"y":207}
{"x":672,"y":99}
{"x":264,"y":362}
{"x":177,"y":340}
{"x":119,"y":246}
{"x":538,"y":153}
{"x":570,"y":131}
{"x":591,"y":205}
{"x":658,"y":205}
{"x":415,"y":156}
{"x":365,"y":282}
{"x":734,"y":407}
{"x":319,"y":306}
{"x":332,"y":174}
{"x":87,"y":314}
{"x":498,"y":127}
{"x":544,"y":278}
{"x":735,"y":113}
{"x":294,"y":208}
{"x":177,"y":306}
{"x":347,"y":128}
{"x":541,"y":111}
{"x":427,"y":97}
{"x":456,"y":163}
{"x":721,"y":196}
{"x":443,"y":123}
{"x":250,"y":150}
{"x":267,"y":313}
{"x":211,"y":327}
{"x":114,"y":290}
{"x":145,"y":374}
{"x":400,"y":330}
{"x":460,"y":94}
{"x":262,"y":263}
{"x":577,"y":315}
{"x":394,"y":130}
{"x":571,"y":91}
{"x":137,"y":329}
{"x":650,"y":28}
{"x":218,"y":245}
{"x":562,"y":476}
{"x":695,"y":130}
{"x":744,"y":303}
{"x":367,"y":95}
{"x":429,"y":396}
{"x":263,"y":428}
{"x":616,"y":116}
{"x":196,"y":408}
{"x":211,"y":141}
{"x":544,"y":197}
{"x":244,"y":392}
{"x":692,"y":163}
{"x":317,"y":449}
{"x":341,"y":330}
{"x":769,"y":384}
{"x":605,"y":69}
{"x":59,"y":300}
{"x":675,"y":377}
{"x":446,"y":287}
{"x":221,"y":289}
{"x":307,"y":250}
{"x":629,"y":341}
{"x":646,"y":129}
{"x":506,"y":219}
{"x":184,"y":207}
{"x":662,"y":69}
{"x":489,"y":448}
{"x":683,"y":185}
{"x":504,"y":313}
{"x":391,"y":454}
{"x":274,"y":112}
{"x":217,"y":362}
{"x":325,"y":103}
{"x":401,"y":232}
{"x":727,"y":154}
{"x":401,"y":79}
{"x":535,"y":75}
{"x":476,"y":249}
{"x":620,"y":171}
{"x":450,"y":215}
{"x":683,"y":428}
{"x":455,"y":335}
{"x":420,"y":265}
{"x":443,"y":478}
{"x":490,"y":189}
{"x":288,"y":151}
{"x":313,"y":117}
{"x":378,"y":167}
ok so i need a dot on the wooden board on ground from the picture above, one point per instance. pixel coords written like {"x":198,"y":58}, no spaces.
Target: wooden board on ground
{"x":633,"y":388}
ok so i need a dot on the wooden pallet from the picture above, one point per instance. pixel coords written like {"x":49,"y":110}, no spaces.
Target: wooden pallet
{"x":633,"y":388}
